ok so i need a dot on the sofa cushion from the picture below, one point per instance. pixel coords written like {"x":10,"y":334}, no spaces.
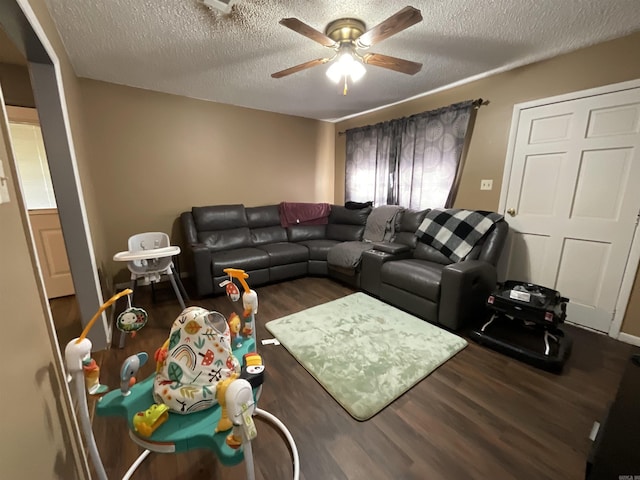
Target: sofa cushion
{"x":267,"y":216}
{"x":345,"y":233}
{"x":245,"y":258}
{"x":430,"y":254}
{"x":219,"y":217}
{"x":299,"y":233}
{"x":410,"y":220}
{"x":260,"y":236}
{"x":419,"y":277}
{"x":225,"y":239}
{"x":347,"y":216}
{"x":284,"y":253}
{"x":318,"y":249}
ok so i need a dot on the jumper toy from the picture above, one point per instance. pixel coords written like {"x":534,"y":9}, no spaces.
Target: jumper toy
{"x":205,"y":388}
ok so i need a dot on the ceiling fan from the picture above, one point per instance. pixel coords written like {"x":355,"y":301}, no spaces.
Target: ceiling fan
{"x":346,"y":36}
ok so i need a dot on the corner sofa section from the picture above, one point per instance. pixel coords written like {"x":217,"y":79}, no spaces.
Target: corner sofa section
{"x":421,"y":280}
{"x":403,"y":272}
{"x":253,"y":239}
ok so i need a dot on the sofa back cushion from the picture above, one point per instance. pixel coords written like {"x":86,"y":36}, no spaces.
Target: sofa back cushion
{"x":427,"y":252}
{"x":219,"y":217}
{"x":261,"y":236}
{"x":259,"y":217}
{"x":347,"y":225}
{"x":410,"y":220}
{"x":222,"y":227}
{"x":264,"y":223}
{"x":492,"y":245}
{"x":300,"y":233}
{"x":488,"y":248}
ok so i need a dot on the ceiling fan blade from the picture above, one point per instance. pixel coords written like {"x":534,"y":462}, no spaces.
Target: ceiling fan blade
{"x":392,"y":63}
{"x":309,"y":32}
{"x":395,"y":23}
{"x":298,"y":68}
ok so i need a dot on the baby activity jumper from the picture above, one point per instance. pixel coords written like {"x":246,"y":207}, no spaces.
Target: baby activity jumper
{"x":203,"y":394}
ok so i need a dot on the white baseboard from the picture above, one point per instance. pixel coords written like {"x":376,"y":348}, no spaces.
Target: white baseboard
{"x":626,"y":338}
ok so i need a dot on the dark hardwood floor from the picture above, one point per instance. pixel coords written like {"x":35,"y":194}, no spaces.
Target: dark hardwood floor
{"x":481,"y":415}
{"x":66,"y":319}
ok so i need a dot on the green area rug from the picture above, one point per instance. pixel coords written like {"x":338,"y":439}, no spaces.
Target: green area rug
{"x":364,"y":352}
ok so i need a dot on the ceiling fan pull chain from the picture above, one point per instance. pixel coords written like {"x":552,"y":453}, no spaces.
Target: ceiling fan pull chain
{"x":344,"y":91}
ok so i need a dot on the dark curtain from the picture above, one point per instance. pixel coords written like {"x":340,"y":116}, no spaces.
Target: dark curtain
{"x":412,"y":161}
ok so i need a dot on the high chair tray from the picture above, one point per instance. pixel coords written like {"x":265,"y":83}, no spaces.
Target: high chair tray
{"x":128,"y":256}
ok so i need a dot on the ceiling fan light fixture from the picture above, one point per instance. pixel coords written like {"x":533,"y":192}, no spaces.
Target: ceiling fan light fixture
{"x":346,"y":66}
{"x":223,"y":6}
{"x":345,"y":36}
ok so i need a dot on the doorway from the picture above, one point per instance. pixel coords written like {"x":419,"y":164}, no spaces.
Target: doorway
{"x":37,"y":189}
{"x":33,"y":169}
{"x":570,"y":196}
{"x":23,"y":29}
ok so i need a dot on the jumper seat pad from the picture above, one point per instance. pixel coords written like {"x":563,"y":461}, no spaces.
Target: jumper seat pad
{"x":199,"y":356}
{"x":455,"y":232}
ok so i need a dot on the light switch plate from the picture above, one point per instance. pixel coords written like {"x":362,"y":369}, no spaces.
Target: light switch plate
{"x":486,"y":184}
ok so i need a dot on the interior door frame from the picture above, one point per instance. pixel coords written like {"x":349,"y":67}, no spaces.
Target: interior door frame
{"x":633,"y":259}
{"x":23,"y":28}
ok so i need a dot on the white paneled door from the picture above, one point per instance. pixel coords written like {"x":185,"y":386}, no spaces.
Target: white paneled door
{"x":573,"y":198}
{"x":47,"y":235}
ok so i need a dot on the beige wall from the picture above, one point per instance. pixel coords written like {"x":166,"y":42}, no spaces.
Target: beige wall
{"x":36,"y":414}
{"x":155,"y":155}
{"x":34,"y":403}
{"x":16,"y":84}
{"x":603,"y":64}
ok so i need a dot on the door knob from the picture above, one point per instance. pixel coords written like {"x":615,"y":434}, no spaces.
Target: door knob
{"x":512,"y":212}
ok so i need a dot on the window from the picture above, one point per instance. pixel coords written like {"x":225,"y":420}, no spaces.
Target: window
{"x":413,"y":161}
{"x":33,"y":169}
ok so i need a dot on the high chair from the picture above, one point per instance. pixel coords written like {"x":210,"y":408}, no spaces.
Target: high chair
{"x":148,"y":258}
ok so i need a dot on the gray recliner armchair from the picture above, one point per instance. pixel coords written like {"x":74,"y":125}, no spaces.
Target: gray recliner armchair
{"x":421,"y":280}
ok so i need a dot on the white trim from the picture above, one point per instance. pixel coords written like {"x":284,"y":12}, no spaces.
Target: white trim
{"x":37,"y":28}
{"x":631,"y":339}
{"x":464,"y":81}
{"x":506,"y":174}
{"x":591,"y":92}
{"x":626,"y":286}
{"x":633,"y":259}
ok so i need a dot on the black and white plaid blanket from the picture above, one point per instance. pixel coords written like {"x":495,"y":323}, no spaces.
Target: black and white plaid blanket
{"x":455,"y":232}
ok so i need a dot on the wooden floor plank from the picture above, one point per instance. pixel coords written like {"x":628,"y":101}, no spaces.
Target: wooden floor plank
{"x":481,"y":415}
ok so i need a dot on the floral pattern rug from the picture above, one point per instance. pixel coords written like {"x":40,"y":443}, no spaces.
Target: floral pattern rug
{"x":364,"y":352}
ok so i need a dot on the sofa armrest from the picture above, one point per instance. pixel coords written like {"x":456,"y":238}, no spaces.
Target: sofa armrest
{"x":371,"y":264}
{"x":464,"y":289}
{"x":200,"y":255}
{"x":391,"y":247}
{"x":189,"y":228}
{"x":202,"y":268}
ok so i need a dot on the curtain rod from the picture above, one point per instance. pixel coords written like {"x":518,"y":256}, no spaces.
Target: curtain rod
{"x":477,"y":103}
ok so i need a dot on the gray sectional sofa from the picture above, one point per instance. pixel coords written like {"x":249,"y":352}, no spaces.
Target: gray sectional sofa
{"x":403,"y":272}
{"x":252,"y":238}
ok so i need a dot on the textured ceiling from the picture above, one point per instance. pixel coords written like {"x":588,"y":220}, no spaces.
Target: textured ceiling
{"x":183,"y":47}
